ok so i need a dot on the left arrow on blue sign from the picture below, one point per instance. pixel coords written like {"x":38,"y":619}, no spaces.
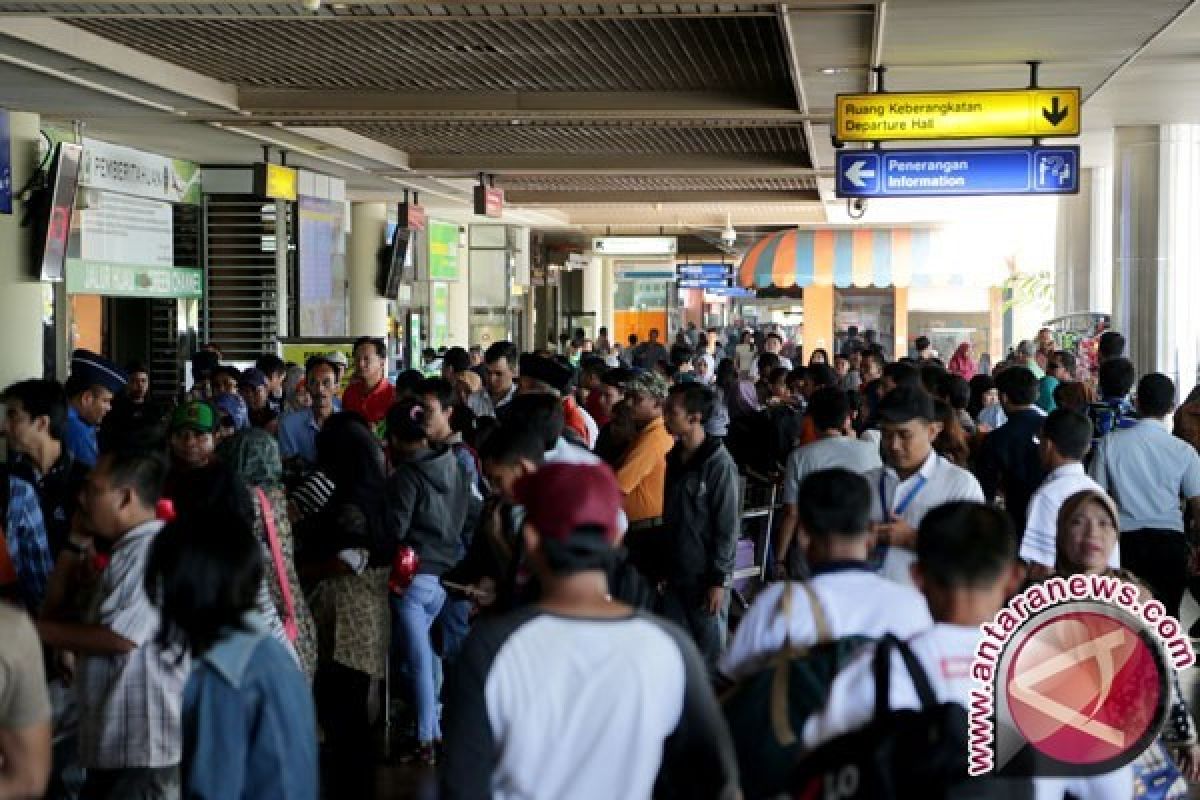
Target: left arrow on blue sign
{"x":958,"y":172}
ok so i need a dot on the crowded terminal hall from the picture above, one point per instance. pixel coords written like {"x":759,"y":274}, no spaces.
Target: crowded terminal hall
{"x":717,"y":571}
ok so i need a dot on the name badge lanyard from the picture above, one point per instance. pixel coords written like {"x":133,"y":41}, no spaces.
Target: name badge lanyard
{"x":901,"y":507}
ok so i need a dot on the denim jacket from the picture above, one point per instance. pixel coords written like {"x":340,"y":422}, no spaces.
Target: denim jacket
{"x":249,"y":729}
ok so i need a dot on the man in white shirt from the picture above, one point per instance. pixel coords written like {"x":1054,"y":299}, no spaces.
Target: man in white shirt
{"x":835,"y":447}
{"x":966,"y":569}
{"x":1149,"y":474}
{"x":914,"y":480}
{"x":833,"y":509}
{"x":1066,"y":436}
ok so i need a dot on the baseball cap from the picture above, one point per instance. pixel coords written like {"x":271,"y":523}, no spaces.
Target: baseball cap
{"x":338,"y":358}
{"x":560,"y":499}
{"x":649,"y":383}
{"x":906,"y":403}
{"x":233,"y":408}
{"x":92,"y":369}
{"x":254,"y":377}
{"x":546,"y":370}
{"x":195,"y":416}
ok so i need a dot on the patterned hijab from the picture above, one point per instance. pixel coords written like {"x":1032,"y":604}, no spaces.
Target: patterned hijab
{"x":254,"y":455}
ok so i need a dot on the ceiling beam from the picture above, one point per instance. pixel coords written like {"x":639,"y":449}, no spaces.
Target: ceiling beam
{"x":63,"y":39}
{"x":850,"y":6}
{"x":377,"y":104}
{"x":468,"y":166}
{"x":562,"y":199}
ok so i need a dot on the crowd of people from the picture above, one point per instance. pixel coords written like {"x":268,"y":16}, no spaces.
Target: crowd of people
{"x":536,"y":552}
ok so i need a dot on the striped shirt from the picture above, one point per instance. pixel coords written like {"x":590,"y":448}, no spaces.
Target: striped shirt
{"x":129,"y":704}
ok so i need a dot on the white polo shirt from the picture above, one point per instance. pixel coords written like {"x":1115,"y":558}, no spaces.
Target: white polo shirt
{"x":1039,"y":545}
{"x":936,"y":483}
{"x":855,"y":602}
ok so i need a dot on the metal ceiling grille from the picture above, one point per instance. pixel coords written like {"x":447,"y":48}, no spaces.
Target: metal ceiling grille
{"x":653,"y":183}
{"x":353,"y":11}
{"x":241,"y":302}
{"x":554,"y":139}
{"x":526,"y":54}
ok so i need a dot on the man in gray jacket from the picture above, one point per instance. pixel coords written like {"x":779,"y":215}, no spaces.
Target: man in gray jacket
{"x":700,"y":520}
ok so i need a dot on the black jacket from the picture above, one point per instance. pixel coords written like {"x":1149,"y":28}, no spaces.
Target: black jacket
{"x":701,"y":515}
{"x":1008,"y":460}
{"x":430,"y":499}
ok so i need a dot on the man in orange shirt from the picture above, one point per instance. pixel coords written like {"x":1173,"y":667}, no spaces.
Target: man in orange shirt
{"x":643,"y":473}
{"x":371,"y":394}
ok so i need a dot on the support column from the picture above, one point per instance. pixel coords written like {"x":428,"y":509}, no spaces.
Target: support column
{"x":1100,"y":283}
{"x":1073,"y":257}
{"x":1156,"y":244}
{"x":368,"y":229}
{"x":818,"y":319}
{"x":593,"y":289}
{"x":20,"y":295}
{"x":900,"y":304}
{"x":608,"y":296}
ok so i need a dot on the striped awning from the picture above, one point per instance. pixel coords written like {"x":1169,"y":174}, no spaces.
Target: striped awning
{"x":879,"y":257}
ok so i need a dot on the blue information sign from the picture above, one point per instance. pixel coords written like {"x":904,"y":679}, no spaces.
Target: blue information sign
{"x":6,"y":187}
{"x":704,"y":270}
{"x":704,"y":283}
{"x":958,"y":172}
{"x":732,"y":291}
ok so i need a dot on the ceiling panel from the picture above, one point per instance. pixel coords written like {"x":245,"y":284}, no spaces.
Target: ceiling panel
{"x":654,"y":183}
{"x":377,"y":10}
{"x":742,"y":54}
{"x":555,"y":139}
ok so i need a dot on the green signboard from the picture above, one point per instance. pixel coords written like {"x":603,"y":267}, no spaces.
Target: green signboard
{"x":443,"y":251}
{"x":133,"y":280}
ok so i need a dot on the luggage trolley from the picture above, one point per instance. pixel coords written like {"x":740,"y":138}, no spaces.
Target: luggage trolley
{"x":759,"y":500}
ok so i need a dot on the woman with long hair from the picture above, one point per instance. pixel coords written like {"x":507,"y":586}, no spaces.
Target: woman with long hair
{"x":249,"y":730}
{"x":819,"y":356}
{"x":345,"y":552}
{"x":951,"y":442}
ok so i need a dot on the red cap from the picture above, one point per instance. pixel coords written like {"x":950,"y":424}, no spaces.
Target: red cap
{"x":559,"y":498}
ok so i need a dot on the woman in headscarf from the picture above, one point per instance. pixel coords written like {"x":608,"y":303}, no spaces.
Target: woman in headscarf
{"x":253,"y":455}
{"x":962,"y":364}
{"x":1087,"y":536}
{"x":343,"y":551}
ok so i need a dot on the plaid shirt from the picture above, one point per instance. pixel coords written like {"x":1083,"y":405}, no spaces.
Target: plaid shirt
{"x":130,"y":704}
{"x":28,"y":549}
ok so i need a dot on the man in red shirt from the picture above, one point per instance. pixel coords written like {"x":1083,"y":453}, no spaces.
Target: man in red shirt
{"x":370,"y":394}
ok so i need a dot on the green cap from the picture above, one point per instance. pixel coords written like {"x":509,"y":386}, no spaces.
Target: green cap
{"x":194,"y":415}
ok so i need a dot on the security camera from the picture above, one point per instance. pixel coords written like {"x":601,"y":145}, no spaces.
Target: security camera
{"x":728,"y":237}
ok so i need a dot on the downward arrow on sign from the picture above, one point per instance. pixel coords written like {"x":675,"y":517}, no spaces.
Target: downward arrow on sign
{"x":1055,"y":113}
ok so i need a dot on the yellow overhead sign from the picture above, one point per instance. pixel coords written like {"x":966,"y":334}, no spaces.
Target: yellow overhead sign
{"x":276,"y":181}
{"x":998,"y":113}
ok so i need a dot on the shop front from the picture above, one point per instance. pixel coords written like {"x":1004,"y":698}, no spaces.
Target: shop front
{"x":133,"y":286}
{"x":895,"y":282}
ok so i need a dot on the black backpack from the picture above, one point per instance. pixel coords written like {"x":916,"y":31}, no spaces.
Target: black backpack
{"x":767,"y":709}
{"x":902,"y":753}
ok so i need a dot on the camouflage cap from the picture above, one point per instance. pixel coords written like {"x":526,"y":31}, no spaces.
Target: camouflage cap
{"x":649,"y":383}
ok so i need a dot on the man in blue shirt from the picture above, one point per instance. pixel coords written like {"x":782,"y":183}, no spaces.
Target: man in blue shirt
{"x":90,"y":389}
{"x":298,"y":430}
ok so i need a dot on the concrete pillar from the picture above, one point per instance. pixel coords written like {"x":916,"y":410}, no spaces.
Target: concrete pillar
{"x":368,"y":231}
{"x":593,"y":289}
{"x":459,"y":311}
{"x":1073,"y":257}
{"x":818,"y":319}
{"x":1100,"y":282}
{"x":20,"y":295}
{"x":900,"y":306}
{"x":608,"y":296}
{"x":1156,"y":245}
